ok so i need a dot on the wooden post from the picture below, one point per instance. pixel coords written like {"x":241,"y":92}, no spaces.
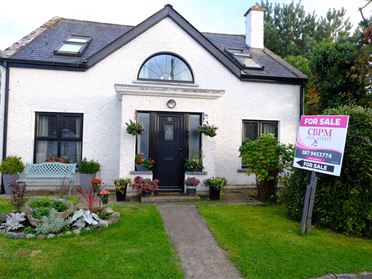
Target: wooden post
{"x":308,"y":204}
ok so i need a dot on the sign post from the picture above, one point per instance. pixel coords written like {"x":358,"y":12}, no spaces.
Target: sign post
{"x":319,"y":148}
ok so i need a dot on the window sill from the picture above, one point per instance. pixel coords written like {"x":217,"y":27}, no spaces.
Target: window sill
{"x":196,"y":172}
{"x":242,"y":170}
{"x":141,"y":172}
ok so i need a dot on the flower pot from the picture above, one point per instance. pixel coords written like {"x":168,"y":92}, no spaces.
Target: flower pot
{"x":105,"y":200}
{"x":214,"y":193}
{"x":141,"y":168}
{"x":145,"y":194}
{"x":85,"y":179}
{"x":120,"y":196}
{"x":191,"y":190}
{"x":9,"y":180}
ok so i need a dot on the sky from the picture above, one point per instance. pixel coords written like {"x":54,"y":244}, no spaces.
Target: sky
{"x":220,"y":16}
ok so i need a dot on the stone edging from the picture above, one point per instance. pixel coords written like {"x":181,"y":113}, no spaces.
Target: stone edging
{"x":362,"y":275}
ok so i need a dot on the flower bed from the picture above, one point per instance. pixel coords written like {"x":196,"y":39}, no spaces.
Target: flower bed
{"x":51,"y":217}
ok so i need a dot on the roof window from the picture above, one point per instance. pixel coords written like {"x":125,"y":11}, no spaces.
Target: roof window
{"x":73,"y":46}
{"x":244,"y":59}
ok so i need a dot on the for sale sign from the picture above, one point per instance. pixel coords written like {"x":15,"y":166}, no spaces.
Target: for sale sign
{"x":320,"y":143}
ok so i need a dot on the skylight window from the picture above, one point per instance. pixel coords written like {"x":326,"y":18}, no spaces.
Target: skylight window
{"x":244,"y":59}
{"x":73,"y":46}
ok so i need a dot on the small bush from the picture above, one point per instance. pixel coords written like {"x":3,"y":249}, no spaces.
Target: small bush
{"x":51,"y":223}
{"x":42,"y":207}
{"x":12,"y":165}
{"x":343,"y":204}
{"x":89,"y":166}
{"x":266,"y":157}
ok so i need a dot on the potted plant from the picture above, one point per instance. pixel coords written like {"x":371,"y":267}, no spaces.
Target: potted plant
{"x":145,"y":186}
{"x":191,"y":183}
{"x":104,"y":194}
{"x":134,"y":128}
{"x":121,"y":188}
{"x":215,"y":185}
{"x":88,"y":170}
{"x":208,"y":130}
{"x":96,"y":184}
{"x":10,"y":168}
{"x":143,"y":164}
{"x":195,"y":163}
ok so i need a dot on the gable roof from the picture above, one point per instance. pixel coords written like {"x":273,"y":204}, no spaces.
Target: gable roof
{"x":37,"y":50}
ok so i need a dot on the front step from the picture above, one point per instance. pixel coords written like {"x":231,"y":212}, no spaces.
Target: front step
{"x":169,"y":198}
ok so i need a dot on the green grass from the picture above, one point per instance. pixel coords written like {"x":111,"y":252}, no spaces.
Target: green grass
{"x":263,"y":243}
{"x":136,"y":247}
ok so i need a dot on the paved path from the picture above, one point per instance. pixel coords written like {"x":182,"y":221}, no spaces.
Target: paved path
{"x":200,"y":255}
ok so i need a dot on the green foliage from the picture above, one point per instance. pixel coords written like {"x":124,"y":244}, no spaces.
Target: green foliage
{"x":43,"y":206}
{"x":338,"y":74}
{"x":289,"y":30}
{"x":51,"y":223}
{"x":310,"y":91}
{"x":134,"y":128}
{"x":89,"y":166}
{"x":216,"y":182}
{"x":343,"y":203}
{"x":195,"y":163}
{"x":208,"y":130}
{"x":122,"y":183}
{"x":12,"y":165}
{"x":266,"y":157}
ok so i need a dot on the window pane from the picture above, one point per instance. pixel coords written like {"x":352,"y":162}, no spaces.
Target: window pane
{"x":144,"y":139}
{"x":166,"y":67}
{"x":194,"y":135}
{"x":71,"y":151}
{"x":45,"y":149}
{"x":250,"y":131}
{"x":47,"y":126}
{"x":71,"y":126}
{"x":82,"y":40}
{"x":73,"y":48}
{"x":269,"y":128}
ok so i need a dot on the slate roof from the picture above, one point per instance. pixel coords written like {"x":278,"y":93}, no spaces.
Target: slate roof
{"x":38,"y":47}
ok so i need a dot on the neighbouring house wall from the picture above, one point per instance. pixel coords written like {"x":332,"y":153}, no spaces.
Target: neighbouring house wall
{"x":92,"y":93}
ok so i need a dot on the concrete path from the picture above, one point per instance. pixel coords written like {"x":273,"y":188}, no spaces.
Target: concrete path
{"x":200,"y":255}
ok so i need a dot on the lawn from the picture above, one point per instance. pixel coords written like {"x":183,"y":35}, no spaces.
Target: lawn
{"x":263,"y":243}
{"x":136,"y":247}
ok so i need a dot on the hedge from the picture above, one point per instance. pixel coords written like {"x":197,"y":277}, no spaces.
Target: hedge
{"x":343,"y":204}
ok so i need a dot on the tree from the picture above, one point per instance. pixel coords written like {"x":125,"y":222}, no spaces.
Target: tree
{"x":310,"y":91}
{"x":289,"y":30}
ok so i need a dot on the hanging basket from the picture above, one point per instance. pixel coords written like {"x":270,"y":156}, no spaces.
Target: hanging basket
{"x":134,"y":128}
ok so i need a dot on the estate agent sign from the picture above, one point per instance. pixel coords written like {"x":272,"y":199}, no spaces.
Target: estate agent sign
{"x":320,"y":143}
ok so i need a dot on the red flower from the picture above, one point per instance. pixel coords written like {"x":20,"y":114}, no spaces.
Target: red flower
{"x":153,"y":162}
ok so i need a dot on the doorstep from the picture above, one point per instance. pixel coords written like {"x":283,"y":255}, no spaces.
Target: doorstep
{"x":169,"y":198}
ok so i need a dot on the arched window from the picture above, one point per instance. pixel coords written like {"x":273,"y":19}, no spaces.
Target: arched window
{"x":166,"y":67}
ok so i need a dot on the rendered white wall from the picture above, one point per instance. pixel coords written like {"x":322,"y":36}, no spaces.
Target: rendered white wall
{"x":92,"y":93}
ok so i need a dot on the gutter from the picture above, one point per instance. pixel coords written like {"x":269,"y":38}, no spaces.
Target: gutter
{"x":6,"y":109}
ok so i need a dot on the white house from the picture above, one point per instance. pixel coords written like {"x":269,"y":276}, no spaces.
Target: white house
{"x":70,"y":86}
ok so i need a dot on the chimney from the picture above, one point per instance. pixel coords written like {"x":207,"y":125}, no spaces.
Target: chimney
{"x":254,"y":24}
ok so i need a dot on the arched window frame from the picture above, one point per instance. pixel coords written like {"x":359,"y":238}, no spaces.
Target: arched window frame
{"x":166,"y":81}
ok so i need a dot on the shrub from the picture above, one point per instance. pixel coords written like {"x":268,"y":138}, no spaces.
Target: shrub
{"x":18,"y":195}
{"x":89,"y":166}
{"x":266,"y":157}
{"x":51,"y":223}
{"x":12,"y":165}
{"x":43,"y":206}
{"x":342,"y":203}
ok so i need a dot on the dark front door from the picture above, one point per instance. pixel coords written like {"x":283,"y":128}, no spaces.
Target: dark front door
{"x":169,"y":151}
